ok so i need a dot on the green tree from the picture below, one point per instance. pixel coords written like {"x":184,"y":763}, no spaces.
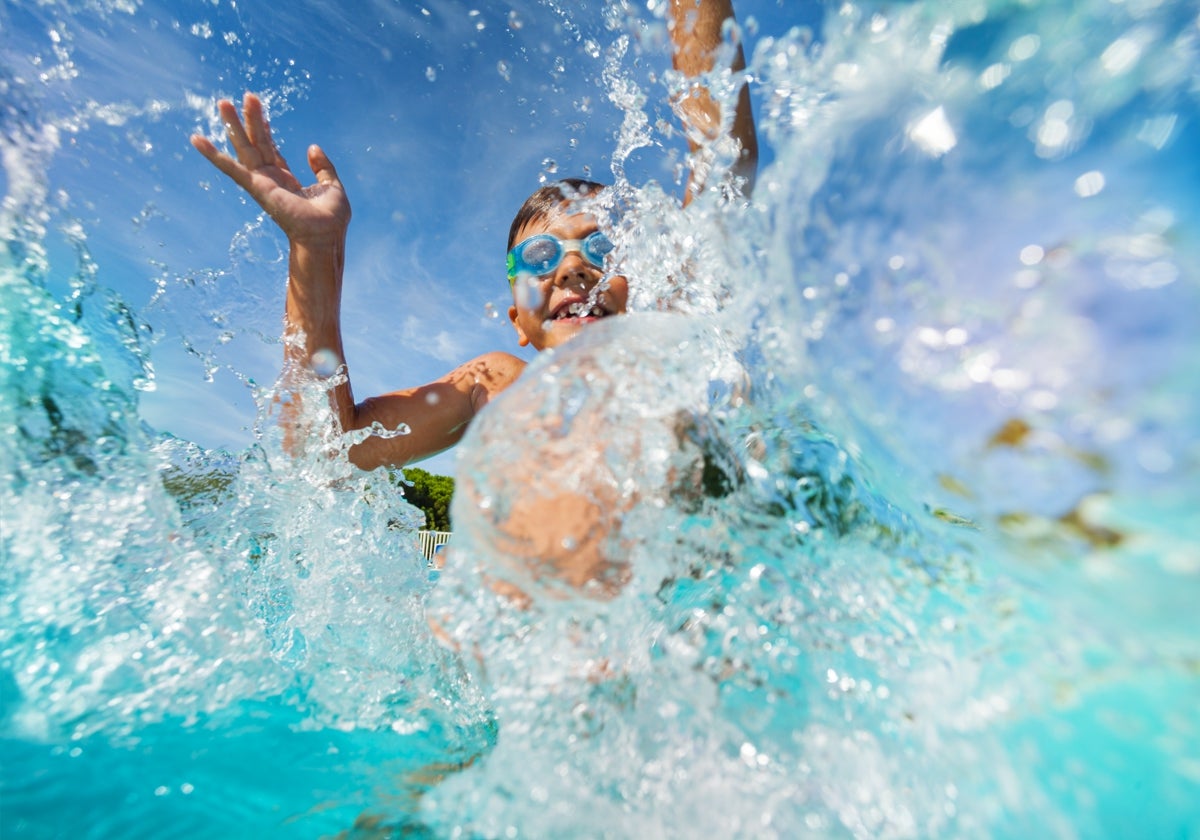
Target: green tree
{"x":430,"y":493}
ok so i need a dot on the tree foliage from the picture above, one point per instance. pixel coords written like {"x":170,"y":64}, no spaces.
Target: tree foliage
{"x":430,"y":493}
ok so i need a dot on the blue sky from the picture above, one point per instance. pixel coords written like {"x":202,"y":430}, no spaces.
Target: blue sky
{"x":440,"y":116}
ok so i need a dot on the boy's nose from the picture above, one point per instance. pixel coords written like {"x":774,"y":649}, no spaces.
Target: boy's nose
{"x":572,"y":272}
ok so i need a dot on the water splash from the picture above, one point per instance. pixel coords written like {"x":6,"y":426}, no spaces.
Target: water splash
{"x":902,"y":627}
{"x":888,"y":516}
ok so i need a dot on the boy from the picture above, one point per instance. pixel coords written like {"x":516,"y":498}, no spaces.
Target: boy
{"x":555,"y":262}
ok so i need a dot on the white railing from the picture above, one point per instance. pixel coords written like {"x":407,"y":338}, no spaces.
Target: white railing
{"x":431,"y":541}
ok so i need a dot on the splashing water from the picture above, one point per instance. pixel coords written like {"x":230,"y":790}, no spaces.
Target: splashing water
{"x":881,"y":528}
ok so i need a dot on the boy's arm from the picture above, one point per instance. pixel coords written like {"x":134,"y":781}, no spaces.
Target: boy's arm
{"x":696,"y":34}
{"x":437,"y":413}
{"x":315,"y":220}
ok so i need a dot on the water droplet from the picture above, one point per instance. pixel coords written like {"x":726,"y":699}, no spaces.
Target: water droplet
{"x":324,"y":362}
{"x":1027,"y":279}
{"x":1156,"y":132}
{"x":994,"y":76}
{"x":550,"y":165}
{"x":502,"y":67}
{"x":528,"y":293}
{"x":514,"y":20}
{"x":1121,"y":55}
{"x":430,"y":74}
{"x":1025,"y":47}
{"x":956,"y":337}
{"x":933,"y":133}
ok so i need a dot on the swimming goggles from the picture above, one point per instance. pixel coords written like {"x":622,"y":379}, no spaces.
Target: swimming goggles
{"x":542,"y":254}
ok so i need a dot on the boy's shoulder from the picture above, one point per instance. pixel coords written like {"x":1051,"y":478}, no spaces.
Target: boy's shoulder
{"x":500,"y":361}
{"x":494,"y":370}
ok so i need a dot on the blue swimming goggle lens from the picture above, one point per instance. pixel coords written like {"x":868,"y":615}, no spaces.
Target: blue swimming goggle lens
{"x":541,"y":254}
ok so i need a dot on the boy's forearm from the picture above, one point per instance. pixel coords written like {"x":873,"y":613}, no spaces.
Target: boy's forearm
{"x":435,"y":414}
{"x":696,"y":32}
{"x":313,"y":309}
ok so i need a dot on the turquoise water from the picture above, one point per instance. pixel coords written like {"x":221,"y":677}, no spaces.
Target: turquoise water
{"x":941,"y":582}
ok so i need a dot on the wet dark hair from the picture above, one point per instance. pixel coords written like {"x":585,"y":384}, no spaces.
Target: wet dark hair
{"x":550,"y":198}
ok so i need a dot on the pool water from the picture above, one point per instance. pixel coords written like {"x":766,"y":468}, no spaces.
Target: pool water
{"x":895,"y":499}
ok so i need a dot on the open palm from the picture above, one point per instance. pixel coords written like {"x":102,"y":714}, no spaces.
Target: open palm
{"x":304,"y":213}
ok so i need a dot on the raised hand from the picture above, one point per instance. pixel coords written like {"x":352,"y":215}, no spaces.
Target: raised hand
{"x":697,"y":31}
{"x":306,"y":214}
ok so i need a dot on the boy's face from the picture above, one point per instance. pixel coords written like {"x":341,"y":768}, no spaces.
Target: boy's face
{"x":552,"y":308}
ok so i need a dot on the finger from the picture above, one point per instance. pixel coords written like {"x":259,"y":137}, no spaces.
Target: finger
{"x":322,"y":166}
{"x":234,"y":170}
{"x":256,"y":128}
{"x":245,"y":150}
{"x":272,"y":151}
{"x":204,"y":146}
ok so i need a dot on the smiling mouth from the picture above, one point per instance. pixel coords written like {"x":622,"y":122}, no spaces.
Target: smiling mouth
{"x":579,"y":310}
